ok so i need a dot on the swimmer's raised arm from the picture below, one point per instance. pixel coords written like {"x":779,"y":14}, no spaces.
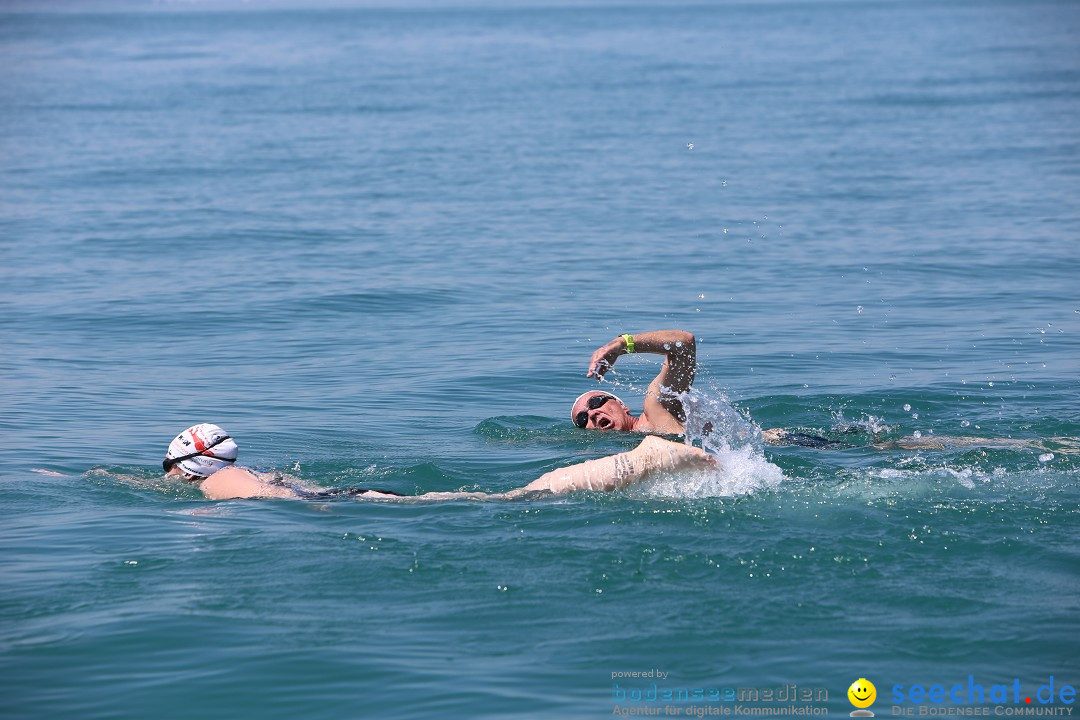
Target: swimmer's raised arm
{"x":678,"y":347}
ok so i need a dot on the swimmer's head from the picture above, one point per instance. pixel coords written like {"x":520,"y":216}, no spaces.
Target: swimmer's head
{"x":200,"y":451}
{"x":599,"y":410}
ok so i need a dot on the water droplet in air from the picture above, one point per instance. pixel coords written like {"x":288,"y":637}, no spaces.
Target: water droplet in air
{"x":701,"y":296}
{"x":667,"y":346}
{"x":907,"y":407}
{"x":964,"y":423}
{"x":991,"y":383}
{"x":1046,"y":457}
{"x":723,"y":183}
{"x":858,"y":309}
{"x":725,"y":231}
{"x":914,"y":416}
{"x":689,"y":146}
{"x":678,"y":343}
{"x":916,"y":434}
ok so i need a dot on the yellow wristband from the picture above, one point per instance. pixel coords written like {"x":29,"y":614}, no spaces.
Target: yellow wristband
{"x":629,"y":342}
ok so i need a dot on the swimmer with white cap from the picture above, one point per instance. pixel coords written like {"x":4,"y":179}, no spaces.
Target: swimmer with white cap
{"x":206,"y":454}
{"x":663,"y":412}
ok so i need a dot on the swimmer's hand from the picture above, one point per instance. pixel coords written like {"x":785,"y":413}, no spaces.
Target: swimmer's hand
{"x":603,"y":359}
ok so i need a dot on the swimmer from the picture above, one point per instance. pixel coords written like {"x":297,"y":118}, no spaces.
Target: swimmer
{"x":663,"y":412}
{"x":207,"y":455}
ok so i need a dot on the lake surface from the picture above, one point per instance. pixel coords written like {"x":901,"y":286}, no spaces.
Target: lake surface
{"x":378,"y":246}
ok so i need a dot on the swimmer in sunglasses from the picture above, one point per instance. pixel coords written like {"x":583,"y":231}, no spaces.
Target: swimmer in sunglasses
{"x":663,"y":412}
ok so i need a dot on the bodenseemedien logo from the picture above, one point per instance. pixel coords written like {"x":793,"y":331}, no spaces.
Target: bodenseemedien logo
{"x":862,"y":694}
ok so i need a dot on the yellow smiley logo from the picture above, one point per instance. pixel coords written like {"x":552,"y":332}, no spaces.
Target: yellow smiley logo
{"x":862,"y":693}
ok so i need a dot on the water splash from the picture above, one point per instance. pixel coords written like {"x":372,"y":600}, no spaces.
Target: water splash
{"x":741,"y":471}
{"x":870,"y":424}
{"x":736,"y":443}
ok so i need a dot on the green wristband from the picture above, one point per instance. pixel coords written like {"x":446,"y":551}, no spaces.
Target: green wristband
{"x":629,"y":342}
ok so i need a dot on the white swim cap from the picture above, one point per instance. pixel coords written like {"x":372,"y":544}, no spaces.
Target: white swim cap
{"x":201,"y":450}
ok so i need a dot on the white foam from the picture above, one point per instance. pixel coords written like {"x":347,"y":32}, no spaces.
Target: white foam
{"x":740,"y":471}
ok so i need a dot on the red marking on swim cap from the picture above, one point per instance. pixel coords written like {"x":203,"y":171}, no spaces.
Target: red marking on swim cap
{"x":200,"y":444}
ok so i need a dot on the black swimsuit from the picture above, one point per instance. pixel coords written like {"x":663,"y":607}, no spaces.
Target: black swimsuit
{"x":811,"y":441}
{"x":328,"y":493}
{"x":341,"y":492}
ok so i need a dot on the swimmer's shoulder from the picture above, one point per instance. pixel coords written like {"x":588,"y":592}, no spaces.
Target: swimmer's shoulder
{"x":659,"y":421}
{"x":239,"y":482}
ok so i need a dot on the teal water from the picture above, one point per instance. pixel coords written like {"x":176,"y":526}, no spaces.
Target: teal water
{"x":378,"y":246}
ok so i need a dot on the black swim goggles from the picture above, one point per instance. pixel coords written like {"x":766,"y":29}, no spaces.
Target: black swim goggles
{"x":168,"y":462}
{"x":582,"y":418}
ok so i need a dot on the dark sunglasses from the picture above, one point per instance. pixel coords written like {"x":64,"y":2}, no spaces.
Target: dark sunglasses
{"x":582,"y":418}
{"x":167,"y":463}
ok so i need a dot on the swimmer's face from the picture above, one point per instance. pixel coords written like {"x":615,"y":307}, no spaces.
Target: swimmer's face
{"x":601,"y":411}
{"x":176,"y":472}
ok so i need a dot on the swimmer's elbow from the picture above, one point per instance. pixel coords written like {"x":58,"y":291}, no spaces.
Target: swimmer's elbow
{"x":684,"y":353}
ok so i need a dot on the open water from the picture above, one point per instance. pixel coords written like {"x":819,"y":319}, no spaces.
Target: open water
{"x":379,"y":245}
